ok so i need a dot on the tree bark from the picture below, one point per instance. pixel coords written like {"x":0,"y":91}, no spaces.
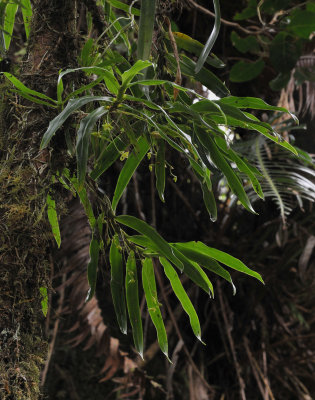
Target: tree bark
{"x":25,"y":180}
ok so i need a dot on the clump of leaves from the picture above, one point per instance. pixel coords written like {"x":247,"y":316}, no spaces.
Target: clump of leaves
{"x":128,"y":113}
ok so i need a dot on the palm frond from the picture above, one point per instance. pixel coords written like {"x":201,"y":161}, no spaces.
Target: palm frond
{"x":286,"y":179}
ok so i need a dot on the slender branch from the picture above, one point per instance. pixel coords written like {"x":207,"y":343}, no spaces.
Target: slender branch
{"x":224,"y":21}
{"x":231,"y":342}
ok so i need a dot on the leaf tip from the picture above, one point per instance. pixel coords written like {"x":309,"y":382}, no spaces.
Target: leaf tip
{"x":199,"y":338}
{"x":167,"y":357}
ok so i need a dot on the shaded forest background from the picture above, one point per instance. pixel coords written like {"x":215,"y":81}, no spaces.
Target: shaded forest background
{"x":259,"y":343}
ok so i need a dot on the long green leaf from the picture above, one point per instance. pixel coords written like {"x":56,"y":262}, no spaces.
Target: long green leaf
{"x":128,"y":75}
{"x":206,"y":77}
{"x":117,"y":284}
{"x":185,"y":42}
{"x":194,"y":272}
{"x":25,"y":90}
{"x":53,"y":218}
{"x":149,"y":286}
{"x":219,"y":160}
{"x":244,"y":167}
{"x":280,"y":142}
{"x":182,"y":296}
{"x":125,"y":7}
{"x":2,"y":16}
{"x":92,"y":267}
{"x":146,"y":27}
{"x":132,"y":297}
{"x":142,"y":227}
{"x":191,"y":269}
{"x":83,"y":141}
{"x":200,"y":254}
{"x":8,"y":25}
{"x":228,"y":111}
{"x":72,"y":106}
{"x":27,"y":15}
{"x":222,"y":257}
{"x":129,"y":168}
{"x":253,"y":103}
{"x":102,"y":72}
{"x":210,"y":203}
{"x":212,"y":38}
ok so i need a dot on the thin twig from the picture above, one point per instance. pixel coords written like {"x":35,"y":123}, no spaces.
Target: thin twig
{"x":256,"y":366}
{"x":231,"y":342}
{"x":178,"y":79}
{"x":224,"y":21}
{"x":184,"y":199}
{"x":171,"y":370}
{"x":254,"y":369}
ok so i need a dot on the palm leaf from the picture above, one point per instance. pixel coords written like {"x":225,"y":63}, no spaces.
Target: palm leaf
{"x":287,"y":179}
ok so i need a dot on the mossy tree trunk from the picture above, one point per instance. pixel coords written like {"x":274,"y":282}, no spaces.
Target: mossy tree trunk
{"x":25,"y":179}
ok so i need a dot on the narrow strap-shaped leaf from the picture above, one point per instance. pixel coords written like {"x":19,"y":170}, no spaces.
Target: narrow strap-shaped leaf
{"x":125,"y":7}
{"x":161,"y":244}
{"x":206,"y":186}
{"x":194,"y":272}
{"x":129,"y":168}
{"x":117,"y":284}
{"x":185,"y":42}
{"x":243,"y":167}
{"x":253,"y":103}
{"x":219,"y":160}
{"x":280,"y":142}
{"x":9,"y":20}
{"x":83,"y":141}
{"x":25,"y":90}
{"x":72,"y":106}
{"x":128,"y":75}
{"x":236,"y":113}
{"x":182,"y":297}
{"x":132,"y":297}
{"x":53,"y":218}
{"x":146,"y":27}
{"x":2,"y":15}
{"x":92,"y":267}
{"x":160,"y":169}
{"x":210,"y":203}
{"x":212,"y":38}
{"x":190,"y":268}
{"x":206,"y":77}
{"x":27,"y":15}
{"x":149,"y":286}
{"x":222,"y":257}
{"x":194,"y":251}
{"x":103,"y":73}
